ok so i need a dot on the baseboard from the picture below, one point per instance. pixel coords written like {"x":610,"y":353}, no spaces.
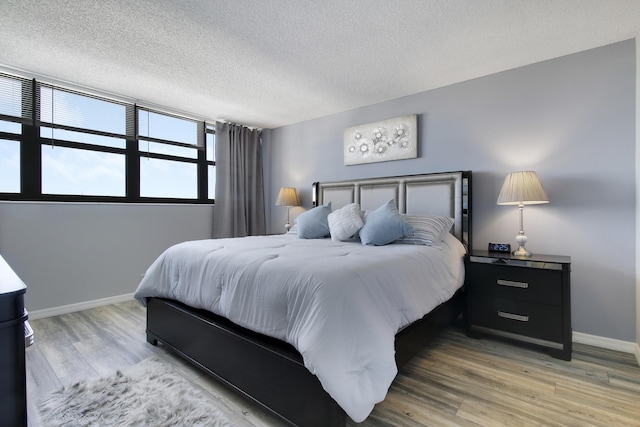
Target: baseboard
{"x":638,"y":353}
{"x":65,"y":309}
{"x":608,"y":343}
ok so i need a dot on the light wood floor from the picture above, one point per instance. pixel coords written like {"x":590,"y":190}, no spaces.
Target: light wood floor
{"x":455,"y":381}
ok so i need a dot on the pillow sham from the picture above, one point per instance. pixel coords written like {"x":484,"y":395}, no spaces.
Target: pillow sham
{"x":384,"y":225}
{"x":313,"y":223}
{"x":429,"y":230}
{"x":345,"y":222}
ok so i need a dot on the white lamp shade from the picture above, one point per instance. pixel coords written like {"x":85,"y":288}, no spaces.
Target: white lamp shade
{"x":288,"y":196}
{"x":522,"y":188}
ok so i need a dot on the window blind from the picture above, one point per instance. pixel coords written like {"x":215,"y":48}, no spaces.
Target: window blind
{"x":62,"y":108}
{"x":171,"y":129}
{"x":16,"y":98}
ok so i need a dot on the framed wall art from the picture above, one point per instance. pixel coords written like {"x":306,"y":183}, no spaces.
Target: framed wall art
{"x":391,"y":139}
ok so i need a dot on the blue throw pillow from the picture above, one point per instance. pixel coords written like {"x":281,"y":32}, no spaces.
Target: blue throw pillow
{"x":313,"y":224}
{"x":384,"y":225}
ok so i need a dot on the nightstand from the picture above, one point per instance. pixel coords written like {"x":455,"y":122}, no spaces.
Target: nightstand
{"x":522,"y":298}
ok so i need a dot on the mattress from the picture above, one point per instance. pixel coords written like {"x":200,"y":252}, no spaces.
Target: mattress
{"x":339,"y":304}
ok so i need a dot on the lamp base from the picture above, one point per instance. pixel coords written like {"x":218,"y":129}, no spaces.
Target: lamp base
{"x":521,"y":239}
{"x":521,"y":251}
{"x":287,"y":225}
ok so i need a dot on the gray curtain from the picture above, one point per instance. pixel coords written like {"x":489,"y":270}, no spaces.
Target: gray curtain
{"x":239,"y":203}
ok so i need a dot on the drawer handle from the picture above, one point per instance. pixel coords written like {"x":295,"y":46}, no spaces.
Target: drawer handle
{"x":523,"y":285}
{"x":512,"y":316}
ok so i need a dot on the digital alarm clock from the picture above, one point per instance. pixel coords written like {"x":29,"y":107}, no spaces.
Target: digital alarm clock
{"x":500,"y":247}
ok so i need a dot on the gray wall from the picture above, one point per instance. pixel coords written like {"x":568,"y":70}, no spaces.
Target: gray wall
{"x":572,"y":119}
{"x":69,"y":253}
{"x":637,"y":202}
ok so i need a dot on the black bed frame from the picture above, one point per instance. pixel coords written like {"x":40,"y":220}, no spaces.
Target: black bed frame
{"x":269,"y":371}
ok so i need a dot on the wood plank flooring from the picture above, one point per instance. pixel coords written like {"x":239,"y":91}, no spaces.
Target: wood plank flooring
{"x":455,"y":381}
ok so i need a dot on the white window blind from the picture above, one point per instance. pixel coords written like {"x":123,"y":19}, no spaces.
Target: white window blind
{"x":169,"y":129}
{"x":16,"y":98}
{"x":61,"y":108}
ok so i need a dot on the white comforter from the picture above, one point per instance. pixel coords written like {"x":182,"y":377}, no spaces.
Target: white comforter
{"x":339,"y":303}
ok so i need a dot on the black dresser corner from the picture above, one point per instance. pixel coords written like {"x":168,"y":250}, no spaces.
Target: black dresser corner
{"x":13,"y":387}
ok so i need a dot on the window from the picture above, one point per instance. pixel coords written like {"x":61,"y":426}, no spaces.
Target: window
{"x":15,"y":109}
{"x":167,"y":178}
{"x":15,"y":98}
{"x":10,"y":127}
{"x":152,"y":125}
{"x":64,"y":144}
{"x":211,"y":159}
{"x":9,"y":166}
{"x":169,"y":163}
{"x":62,"y":108}
{"x":83,"y":143}
{"x":82,"y":172}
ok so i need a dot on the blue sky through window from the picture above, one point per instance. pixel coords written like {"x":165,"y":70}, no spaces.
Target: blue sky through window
{"x":82,"y":172}
{"x":74,"y":171}
{"x":9,"y":166}
{"x":70,"y":109}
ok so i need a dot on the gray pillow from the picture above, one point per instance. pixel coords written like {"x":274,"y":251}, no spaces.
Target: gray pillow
{"x":384,"y":225}
{"x":313,"y":224}
{"x":429,"y":230}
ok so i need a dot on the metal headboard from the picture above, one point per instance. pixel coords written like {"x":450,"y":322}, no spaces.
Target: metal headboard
{"x":446,"y":194}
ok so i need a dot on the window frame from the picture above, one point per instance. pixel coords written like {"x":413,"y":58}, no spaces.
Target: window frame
{"x":31,"y":144}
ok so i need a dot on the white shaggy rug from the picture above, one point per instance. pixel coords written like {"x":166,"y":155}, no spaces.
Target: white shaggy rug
{"x":147,"y":394}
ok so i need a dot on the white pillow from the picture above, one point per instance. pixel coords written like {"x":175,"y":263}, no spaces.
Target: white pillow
{"x":429,"y":230}
{"x":345,"y":222}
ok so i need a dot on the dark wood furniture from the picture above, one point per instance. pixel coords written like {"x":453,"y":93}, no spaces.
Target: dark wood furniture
{"x":523,"y":298}
{"x":266,"y":370}
{"x":13,"y":386}
{"x":271,"y":372}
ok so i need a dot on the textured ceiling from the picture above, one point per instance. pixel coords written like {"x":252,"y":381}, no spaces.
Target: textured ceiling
{"x":269,"y":63}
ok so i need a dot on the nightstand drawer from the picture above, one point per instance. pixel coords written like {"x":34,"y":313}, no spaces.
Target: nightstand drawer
{"x":528,"y":284}
{"x":519,"y":317}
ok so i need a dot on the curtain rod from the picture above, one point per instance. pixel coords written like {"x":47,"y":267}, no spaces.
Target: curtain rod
{"x":238,"y":124}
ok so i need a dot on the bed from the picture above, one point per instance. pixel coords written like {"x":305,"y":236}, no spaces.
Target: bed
{"x":325,"y":333}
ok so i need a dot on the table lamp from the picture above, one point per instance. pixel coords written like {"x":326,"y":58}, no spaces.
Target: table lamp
{"x":288,"y":196}
{"x":522,"y":188}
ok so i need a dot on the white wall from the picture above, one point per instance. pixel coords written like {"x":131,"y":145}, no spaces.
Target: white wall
{"x":572,"y":119}
{"x":69,"y":253}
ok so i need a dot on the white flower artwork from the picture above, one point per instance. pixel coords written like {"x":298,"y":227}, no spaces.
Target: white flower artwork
{"x":392,"y":139}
